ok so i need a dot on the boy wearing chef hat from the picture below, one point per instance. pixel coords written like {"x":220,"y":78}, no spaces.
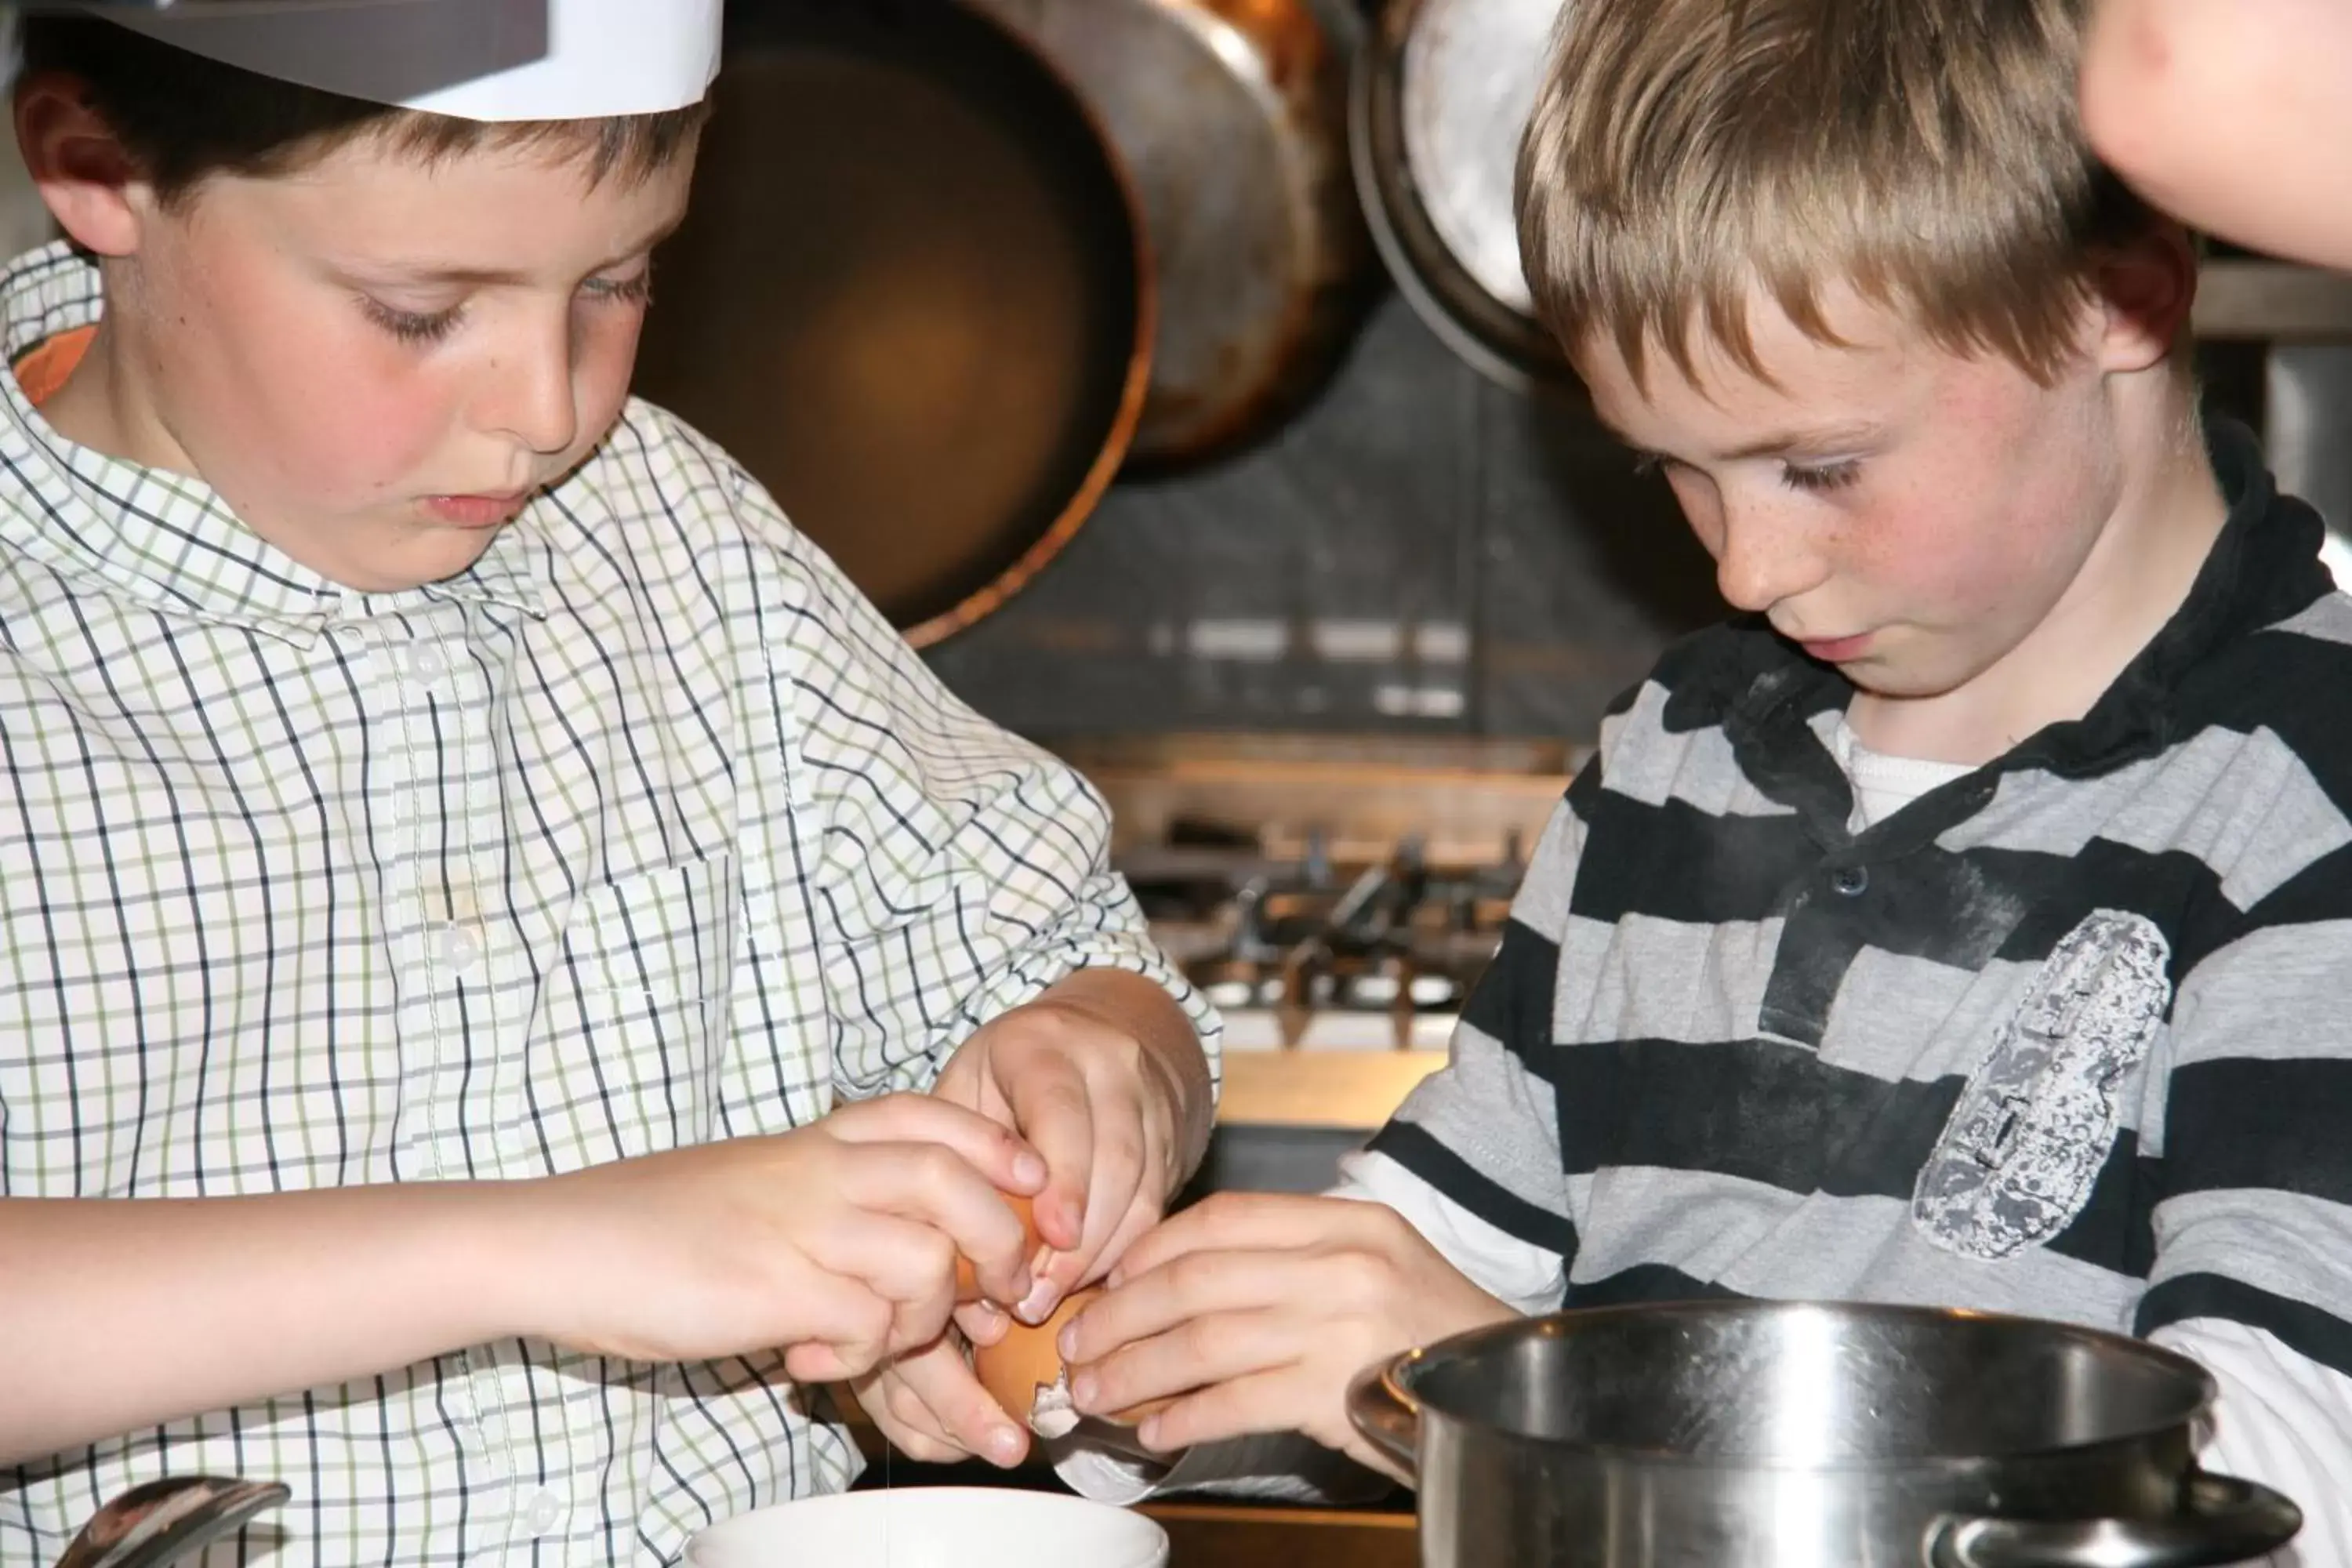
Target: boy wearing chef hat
{"x":1967,"y":922}
{"x":463,"y":853}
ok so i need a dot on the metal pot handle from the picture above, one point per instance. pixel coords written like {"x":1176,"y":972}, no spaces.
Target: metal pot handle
{"x":2223,"y":1521}
{"x":1388,"y":1417}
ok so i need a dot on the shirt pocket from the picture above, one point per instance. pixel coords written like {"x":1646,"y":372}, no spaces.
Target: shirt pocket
{"x":2035,"y":1125}
{"x":631,"y":1063}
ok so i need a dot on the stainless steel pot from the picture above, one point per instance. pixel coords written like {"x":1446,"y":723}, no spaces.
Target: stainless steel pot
{"x":1439,"y":102}
{"x":1231,"y":119}
{"x":1776,"y":1434}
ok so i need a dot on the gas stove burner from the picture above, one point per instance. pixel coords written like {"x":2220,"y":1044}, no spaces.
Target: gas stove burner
{"x":1308,"y":937}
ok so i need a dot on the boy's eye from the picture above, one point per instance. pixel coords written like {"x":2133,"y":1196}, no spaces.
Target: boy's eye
{"x":411,"y":327}
{"x":637,"y":291}
{"x":1824,"y":476}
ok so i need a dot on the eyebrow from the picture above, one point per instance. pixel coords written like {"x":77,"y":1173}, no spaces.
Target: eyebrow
{"x":1780,"y":443}
{"x":1820,"y":439}
{"x":502,"y":278}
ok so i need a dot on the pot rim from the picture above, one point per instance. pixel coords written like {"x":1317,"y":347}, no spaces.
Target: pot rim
{"x":1397,"y":1375}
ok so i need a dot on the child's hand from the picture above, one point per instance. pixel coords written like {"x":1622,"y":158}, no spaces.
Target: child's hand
{"x":837,"y":1241}
{"x":933,"y":1408}
{"x":1261,"y":1311}
{"x":1105,"y":1077}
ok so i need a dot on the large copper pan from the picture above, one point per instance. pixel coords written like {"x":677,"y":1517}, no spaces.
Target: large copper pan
{"x":913,"y":296}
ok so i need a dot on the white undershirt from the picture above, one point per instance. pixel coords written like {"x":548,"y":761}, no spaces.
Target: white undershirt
{"x":1885,"y":784}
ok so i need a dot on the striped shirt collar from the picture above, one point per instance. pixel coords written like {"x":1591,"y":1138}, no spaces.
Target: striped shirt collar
{"x":166,"y":539}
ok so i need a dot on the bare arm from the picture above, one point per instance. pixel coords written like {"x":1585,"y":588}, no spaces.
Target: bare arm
{"x":837,"y":1241}
{"x":117,"y":1314}
{"x":2235,"y":115}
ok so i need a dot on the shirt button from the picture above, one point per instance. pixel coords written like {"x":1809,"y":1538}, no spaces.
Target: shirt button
{"x":545,"y":1512}
{"x":461,"y":947}
{"x":425,"y":662}
{"x":1851,"y":880}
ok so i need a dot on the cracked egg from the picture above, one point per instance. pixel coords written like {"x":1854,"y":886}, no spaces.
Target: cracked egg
{"x":1024,"y":1372}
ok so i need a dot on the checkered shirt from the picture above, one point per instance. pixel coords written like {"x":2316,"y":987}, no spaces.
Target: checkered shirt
{"x":646,"y":830}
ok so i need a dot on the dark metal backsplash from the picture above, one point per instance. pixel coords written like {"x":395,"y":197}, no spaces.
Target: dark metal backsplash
{"x":1421,"y":552}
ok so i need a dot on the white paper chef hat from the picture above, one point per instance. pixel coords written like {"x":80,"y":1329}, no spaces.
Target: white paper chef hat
{"x":474,"y":59}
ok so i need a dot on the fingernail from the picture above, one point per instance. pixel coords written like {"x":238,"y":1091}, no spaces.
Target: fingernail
{"x":1066,"y":1341}
{"x":1028,"y":1169}
{"x":1004,"y":1445}
{"x":1082,"y":1390}
{"x":1038,"y":1305}
{"x":1148,"y":1433}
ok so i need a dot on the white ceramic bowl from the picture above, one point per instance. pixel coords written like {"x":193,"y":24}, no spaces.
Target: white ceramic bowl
{"x":934,"y":1526}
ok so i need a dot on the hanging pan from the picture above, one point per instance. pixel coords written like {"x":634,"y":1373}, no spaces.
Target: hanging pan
{"x":912,"y":296}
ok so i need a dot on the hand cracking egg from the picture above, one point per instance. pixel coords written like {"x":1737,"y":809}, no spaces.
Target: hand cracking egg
{"x":1024,"y":1372}
{"x":967,"y":1279}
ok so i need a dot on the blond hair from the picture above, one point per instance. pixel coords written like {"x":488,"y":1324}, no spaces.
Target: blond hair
{"x":1685,"y":153}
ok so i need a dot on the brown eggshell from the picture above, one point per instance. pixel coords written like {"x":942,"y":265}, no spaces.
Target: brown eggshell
{"x":967,"y":1279}
{"x":1025,"y":1361}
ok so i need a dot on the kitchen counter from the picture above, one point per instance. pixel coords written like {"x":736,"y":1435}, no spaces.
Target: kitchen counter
{"x":1205,"y":1535}
{"x":1350,"y":1089}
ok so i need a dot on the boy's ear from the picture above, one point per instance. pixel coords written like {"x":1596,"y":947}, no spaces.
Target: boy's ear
{"x":2148,"y":288}
{"x":81,"y":170}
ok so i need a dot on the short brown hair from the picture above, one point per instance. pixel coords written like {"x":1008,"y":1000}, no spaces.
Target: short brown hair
{"x":183,"y":118}
{"x":1685,"y":152}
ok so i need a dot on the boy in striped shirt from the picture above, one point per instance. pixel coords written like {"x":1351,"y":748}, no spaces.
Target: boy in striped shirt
{"x":1965,"y":921}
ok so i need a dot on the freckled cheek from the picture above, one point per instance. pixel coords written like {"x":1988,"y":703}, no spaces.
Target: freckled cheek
{"x":1915,"y":544}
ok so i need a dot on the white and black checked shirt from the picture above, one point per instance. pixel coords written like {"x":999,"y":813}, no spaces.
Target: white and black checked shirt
{"x":644,"y":832}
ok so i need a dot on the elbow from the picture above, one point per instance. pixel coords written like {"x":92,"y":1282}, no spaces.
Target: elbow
{"x":2133,"y":95}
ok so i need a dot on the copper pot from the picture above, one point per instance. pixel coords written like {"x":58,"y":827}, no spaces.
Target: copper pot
{"x":912,"y":296}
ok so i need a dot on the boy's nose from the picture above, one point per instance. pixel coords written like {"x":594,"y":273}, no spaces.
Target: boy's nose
{"x":1764,"y":560}
{"x":531,"y":395}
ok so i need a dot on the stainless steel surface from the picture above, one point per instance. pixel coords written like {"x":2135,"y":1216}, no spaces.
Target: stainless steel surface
{"x":1775,"y":1435}
{"x":1472,"y":69}
{"x":1442,"y":93}
{"x":2278,"y":300}
{"x":169,"y":1522}
{"x":2307,"y":431}
{"x":1231,"y":116}
{"x":1399,"y":937}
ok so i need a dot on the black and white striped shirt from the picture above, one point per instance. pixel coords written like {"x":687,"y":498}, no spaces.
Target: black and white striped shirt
{"x":645,"y":831}
{"x":2068,"y":1036}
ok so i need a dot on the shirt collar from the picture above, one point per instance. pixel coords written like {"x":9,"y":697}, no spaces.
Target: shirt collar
{"x":166,"y":539}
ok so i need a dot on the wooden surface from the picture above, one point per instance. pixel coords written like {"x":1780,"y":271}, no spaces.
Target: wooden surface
{"x":1212,"y":1536}
{"x":1321,"y":1089}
